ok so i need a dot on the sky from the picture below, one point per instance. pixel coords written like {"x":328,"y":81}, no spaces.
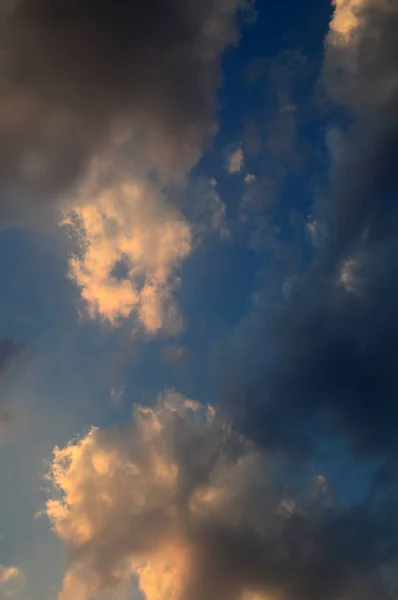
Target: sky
{"x":199,"y":307}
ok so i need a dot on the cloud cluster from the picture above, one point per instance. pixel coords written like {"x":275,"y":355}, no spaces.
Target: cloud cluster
{"x":193,"y":510}
{"x":320,"y":378}
{"x":326,"y":357}
{"x":131,"y":84}
{"x":75,"y":75}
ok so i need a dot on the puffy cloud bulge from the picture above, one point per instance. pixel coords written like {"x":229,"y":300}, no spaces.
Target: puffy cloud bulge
{"x":127,"y":224}
{"x":194,"y":510}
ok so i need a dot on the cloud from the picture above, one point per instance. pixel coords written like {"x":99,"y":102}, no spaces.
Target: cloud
{"x":77,"y":75}
{"x":360,"y":76}
{"x":279,"y":148}
{"x":9,"y":574}
{"x":103,"y":114}
{"x":205,"y":209}
{"x":249,"y":178}
{"x":321,"y":363}
{"x":235,"y":160}
{"x":193,"y":510}
{"x":11,"y":581}
{"x":130,"y":244}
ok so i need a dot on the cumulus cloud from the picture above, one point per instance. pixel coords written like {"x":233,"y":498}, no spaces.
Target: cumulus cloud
{"x":129,"y":245}
{"x":76,"y":75}
{"x":194,"y":510}
{"x":135,"y":84}
{"x":235,"y":160}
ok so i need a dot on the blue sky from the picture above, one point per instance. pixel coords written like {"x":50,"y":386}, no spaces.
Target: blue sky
{"x":197,"y":204}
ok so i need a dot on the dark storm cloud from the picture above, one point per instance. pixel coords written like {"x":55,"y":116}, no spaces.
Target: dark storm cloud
{"x":72,"y":72}
{"x":329,"y":356}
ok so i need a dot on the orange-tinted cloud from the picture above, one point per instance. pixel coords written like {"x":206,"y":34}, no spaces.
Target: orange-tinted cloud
{"x":193,"y":510}
{"x":127,"y":223}
{"x":11,"y":582}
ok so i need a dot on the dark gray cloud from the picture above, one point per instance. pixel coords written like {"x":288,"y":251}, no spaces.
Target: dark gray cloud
{"x":360,"y":76}
{"x":330,"y":359}
{"x":323,"y":361}
{"x":73,"y":74}
{"x":327,"y":356}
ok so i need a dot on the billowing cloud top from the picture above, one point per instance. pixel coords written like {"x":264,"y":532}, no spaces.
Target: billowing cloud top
{"x":196,"y":511}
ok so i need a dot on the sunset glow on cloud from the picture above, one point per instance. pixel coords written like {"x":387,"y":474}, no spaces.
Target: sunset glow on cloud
{"x":199,"y":340}
{"x":128,"y":224}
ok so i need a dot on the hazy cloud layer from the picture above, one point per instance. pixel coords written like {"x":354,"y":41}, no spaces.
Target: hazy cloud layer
{"x":195,"y":511}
